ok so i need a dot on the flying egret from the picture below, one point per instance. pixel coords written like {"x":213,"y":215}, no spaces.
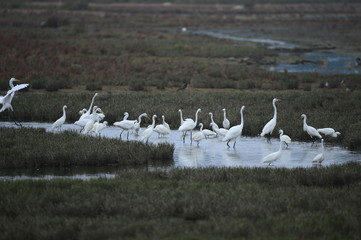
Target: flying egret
{"x":85,"y":116}
{"x":319,"y":157}
{"x":7,"y":99}
{"x":220,"y":131}
{"x":310,"y":130}
{"x":269,"y":127}
{"x":234,"y":131}
{"x":138,"y":122}
{"x":198,"y":136}
{"x":284,"y":138}
{"x":214,"y":125}
{"x":328,"y":132}
{"x":125,"y":124}
{"x":162,"y":129}
{"x":189,"y":125}
{"x":226,"y":124}
{"x":59,"y":123}
{"x":270,"y":158}
{"x":148,"y":132}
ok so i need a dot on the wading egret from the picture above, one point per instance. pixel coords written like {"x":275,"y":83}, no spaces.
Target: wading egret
{"x":269,"y":127}
{"x":234,"y":131}
{"x":59,"y":123}
{"x":214,"y":125}
{"x":198,"y":136}
{"x":189,"y":125}
{"x":90,"y":122}
{"x":328,"y":132}
{"x":284,"y":138}
{"x":138,"y":122}
{"x":98,"y":126}
{"x":319,"y":157}
{"x":86,"y":114}
{"x":125,"y":124}
{"x":220,"y":131}
{"x":310,"y":130}
{"x":148,"y":132}
{"x":162,"y":129}
{"x":226,"y":124}
{"x":270,"y":158}
{"x":208,"y":133}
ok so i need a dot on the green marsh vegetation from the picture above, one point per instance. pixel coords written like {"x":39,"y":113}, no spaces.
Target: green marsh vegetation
{"x":212,"y":203}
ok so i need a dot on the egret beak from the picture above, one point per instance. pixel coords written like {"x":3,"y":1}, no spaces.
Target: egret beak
{"x":279,"y":99}
{"x":148,"y":118}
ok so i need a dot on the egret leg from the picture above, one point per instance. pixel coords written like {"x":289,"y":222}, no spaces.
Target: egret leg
{"x":128,"y":135}
{"x":184,"y":137}
{"x":234,"y":145}
{"x":121,"y":134}
{"x":13,"y":117}
{"x":228,"y":143}
{"x":191,"y":137}
{"x":268,"y":138}
{"x":286,"y":144}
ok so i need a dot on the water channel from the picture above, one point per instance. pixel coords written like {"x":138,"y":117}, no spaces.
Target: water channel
{"x":211,"y":152}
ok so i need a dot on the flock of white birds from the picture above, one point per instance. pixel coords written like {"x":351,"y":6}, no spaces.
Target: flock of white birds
{"x":91,"y":121}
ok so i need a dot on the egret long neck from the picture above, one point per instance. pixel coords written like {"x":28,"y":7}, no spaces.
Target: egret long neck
{"x":153,"y":121}
{"x":275,"y":110}
{"x":181,"y":117}
{"x":304,"y":123}
{"x":64,"y":112}
{"x":196,"y":120}
{"x":224,"y":114}
{"x":91,"y":104}
{"x":242,"y":116}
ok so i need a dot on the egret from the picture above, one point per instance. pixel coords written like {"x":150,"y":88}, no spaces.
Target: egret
{"x":328,"y":132}
{"x":270,"y":158}
{"x":208,"y":133}
{"x":90,"y":122}
{"x":219,"y":131}
{"x":319,"y":157}
{"x":59,"y":123}
{"x":284,"y":138}
{"x":138,"y":122}
{"x":214,"y":125}
{"x":226,"y":124}
{"x":198,"y":136}
{"x":234,"y":131}
{"x":269,"y":127}
{"x":148,"y":132}
{"x":7,"y":99}
{"x":125,"y":124}
{"x":162,"y":129}
{"x":98,"y":126}
{"x":309,"y":129}
{"x":86,"y":114}
{"x":189,"y":125}
{"x":181,"y":116}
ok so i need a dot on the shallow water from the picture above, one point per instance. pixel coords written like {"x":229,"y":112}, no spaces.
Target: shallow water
{"x":211,"y":152}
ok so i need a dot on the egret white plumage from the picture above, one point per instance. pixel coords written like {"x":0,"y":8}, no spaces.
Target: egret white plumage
{"x":226,"y":124}
{"x":284,"y":138}
{"x":99,"y":126}
{"x":234,"y":131}
{"x":125,"y":124}
{"x":214,"y":125}
{"x":220,"y":131}
{"x":189,"y":125}
{"x":90,"y":122}
{"x":270,"y":158}
{"x":86,"y":114}
{"x":148,"y":132}
{"x":269,"y":127}
{"x":198,"y":136}
{"x":328,"y":132}
{"x":138,"y":122}
{"x":59,"y":123}
{"x":162,"y":129}
{"x":312,"y":132}
{"x":208,"y":133}
{"x":319,"y":157}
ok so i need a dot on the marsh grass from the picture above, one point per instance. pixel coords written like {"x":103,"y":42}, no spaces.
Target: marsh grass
{"x":212,"y":203}
{"x":35,"y":148}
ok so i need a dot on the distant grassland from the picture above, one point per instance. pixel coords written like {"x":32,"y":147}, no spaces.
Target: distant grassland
{"x":212,"y":203}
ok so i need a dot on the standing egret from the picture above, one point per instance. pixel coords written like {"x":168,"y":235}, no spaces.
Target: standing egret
{"x":220,"y":131}
{"x":59,"y":123}
{"x":138,"y":122}
{"x":310,"y":130}
{"x":234,"y":131}
{"x":207,"y":133}
{"x":328,"y":132}
{"x":270,"y":158}
{"x":90,"y":122}
{"x":284,"y":138}
{"x":226,"y":124}
{"x":125,"y":124}
{"x":189,"y":125}
{"x":148,"y":132}
{"x":214,"y":125}
{"x":98,"y":126}
{"x":269,"y":127}
{"x":85,"y":116}
{"x":162,"y":129}
{"x":198,"y":136}
{"x":319,"y":157}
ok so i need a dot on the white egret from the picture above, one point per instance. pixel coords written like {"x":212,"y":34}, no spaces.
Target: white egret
{"x":198,"y":136}
{"x":226,"y":124}
{"x":99,"y":126}
{"x":148,"y":132}
{"x":85,"y":116}
{"x":189,"y":125}
{"x":234,"y":131}
{"x":328,"y":132}
{"x":319,"y":157}
{"x":309,"y":129}
{"x":270,"y":158}
{"x":208,"y":133}
{"x":138,"y":122}
{"x":269,"y":127}
{"x":284,"y":138}
{"x":162,"y":129}
{"x":181,"y":117}
{"x":59,"y":123}
{"x":219,"y":131}
{"x":214,"y":125}
{"x":90,"y":122}
{"x":125,"y":124}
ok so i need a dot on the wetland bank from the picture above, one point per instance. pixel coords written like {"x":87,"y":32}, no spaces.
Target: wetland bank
{"x":128,"y":54}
